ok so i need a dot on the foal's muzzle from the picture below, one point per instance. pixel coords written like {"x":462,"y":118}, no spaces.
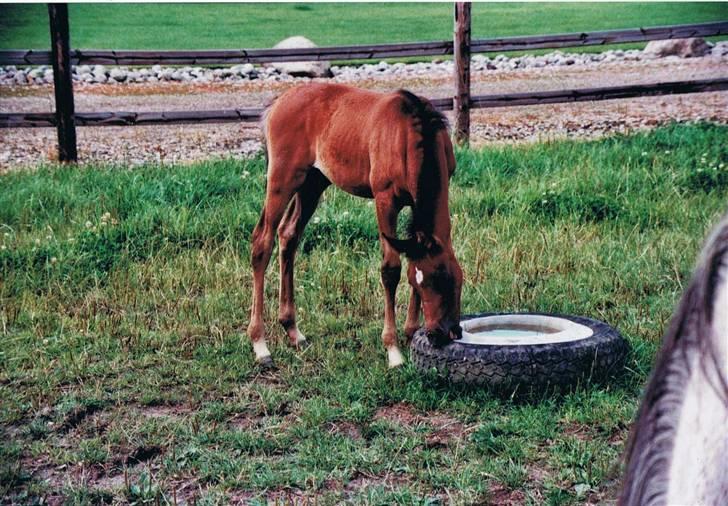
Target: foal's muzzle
{"x":444,"y":334}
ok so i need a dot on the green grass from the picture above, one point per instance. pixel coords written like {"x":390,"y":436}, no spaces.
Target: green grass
{"x":124,"y":295}
{"x":207,"y":26}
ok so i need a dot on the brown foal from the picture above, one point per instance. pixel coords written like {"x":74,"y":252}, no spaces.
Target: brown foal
{"x":392,"y":147}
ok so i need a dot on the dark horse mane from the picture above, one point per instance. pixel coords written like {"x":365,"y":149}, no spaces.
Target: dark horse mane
{"x":651,"y":442}
{"x":430,"y":122}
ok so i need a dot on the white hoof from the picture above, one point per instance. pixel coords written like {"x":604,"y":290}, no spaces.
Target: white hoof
{"x":261,"y":350}
{"x":394,"y":357}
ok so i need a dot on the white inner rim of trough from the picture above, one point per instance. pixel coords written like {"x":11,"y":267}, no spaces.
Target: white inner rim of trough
{"x":521,"y":330}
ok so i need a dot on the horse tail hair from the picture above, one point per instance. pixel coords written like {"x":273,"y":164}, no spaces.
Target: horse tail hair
{"x":432,"y":120}
{"x":264,"y":129}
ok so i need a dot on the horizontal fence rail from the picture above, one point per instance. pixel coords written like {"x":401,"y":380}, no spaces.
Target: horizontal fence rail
{"x":17,"y":120}
{"x":436,"y":48}
{"x":599,"y":38}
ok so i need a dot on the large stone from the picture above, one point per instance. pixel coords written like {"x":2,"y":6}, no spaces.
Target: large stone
{"x":117,"y":74}
{"x":685,"y":48}
{"x":301,"y":68}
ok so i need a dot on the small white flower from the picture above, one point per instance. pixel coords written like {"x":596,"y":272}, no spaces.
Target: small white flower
{"x":316,"y":219}
{"x":89,"y":224}
{"x":244,"y":174}
{"x":3,"y":247}
{"x":37,"y":242}
{"x":6,"y":234}
{"x":53,"y":260}
{"x":667,"y":151}
{"x":544,"y":201}
{"x":644,"y":153}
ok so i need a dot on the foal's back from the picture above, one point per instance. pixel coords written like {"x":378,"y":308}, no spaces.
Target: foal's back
{"x":359,"y":139}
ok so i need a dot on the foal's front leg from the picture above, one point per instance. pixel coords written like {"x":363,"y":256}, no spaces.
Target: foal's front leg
{"x":391,"y":269}
{"x":413,"y":315}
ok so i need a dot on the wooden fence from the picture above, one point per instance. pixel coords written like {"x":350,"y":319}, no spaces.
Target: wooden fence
{"x":62,"y":57}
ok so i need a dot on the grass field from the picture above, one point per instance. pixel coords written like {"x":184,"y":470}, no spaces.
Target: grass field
{"x":125,"y":375}
{"x":207,"y":26}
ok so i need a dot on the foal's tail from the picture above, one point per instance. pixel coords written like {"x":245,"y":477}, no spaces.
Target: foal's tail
{"x":432,"y":119}
{"x":264,"y":127}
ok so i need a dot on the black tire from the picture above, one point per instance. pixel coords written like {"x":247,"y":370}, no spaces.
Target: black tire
{"x":525,"y":367}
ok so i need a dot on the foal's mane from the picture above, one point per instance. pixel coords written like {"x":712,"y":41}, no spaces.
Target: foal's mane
{"x":430,"y":123}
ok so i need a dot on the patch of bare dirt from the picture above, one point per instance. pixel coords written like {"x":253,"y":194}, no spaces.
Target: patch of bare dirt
{"x":390,"y":481}
{"x":400,"y":413}
{"x":577,"y":430}
{"x":500,"y":495}
{"x":291,"y":496}
{"x":444,"y":428}
{"x":345,"y":428}
{"x":164,"y":411}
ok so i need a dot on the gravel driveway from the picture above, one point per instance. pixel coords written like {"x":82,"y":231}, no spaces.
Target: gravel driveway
{"x":185,"y":143}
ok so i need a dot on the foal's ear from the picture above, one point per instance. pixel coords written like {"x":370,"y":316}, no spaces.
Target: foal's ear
{"x":429,"y":243}
{"x":408,"y":247}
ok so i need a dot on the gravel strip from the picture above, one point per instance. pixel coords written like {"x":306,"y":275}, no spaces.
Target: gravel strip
{"x":187,"y":143}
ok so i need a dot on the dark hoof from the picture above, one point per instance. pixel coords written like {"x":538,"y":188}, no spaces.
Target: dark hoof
{"x":302,"y":345}
{"x":266,"y":364}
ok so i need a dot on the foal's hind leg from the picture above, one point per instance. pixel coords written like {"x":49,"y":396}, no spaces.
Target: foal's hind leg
{"x":282,"y":185}
{"x":289,"y":234}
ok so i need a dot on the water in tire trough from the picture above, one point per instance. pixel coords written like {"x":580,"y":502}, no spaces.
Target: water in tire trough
{"x":520,"y":329}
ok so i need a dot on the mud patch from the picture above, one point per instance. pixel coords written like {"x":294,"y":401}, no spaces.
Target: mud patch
{"x":345,"y":428}
{"x":400,"y":413}
{"x":143,"y":454}
{"x":390,"y":481}
{"x":164,"y":411}
{"x":499,"y":494}
{"x":290,"y":496}
{"x":444,"y":428}
{"x":77,"y":415}
{"x":579,"y":431}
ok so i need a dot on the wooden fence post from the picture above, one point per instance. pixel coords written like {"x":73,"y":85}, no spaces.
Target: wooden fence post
{"x":461,"y":102}
{"x":63,"y":82}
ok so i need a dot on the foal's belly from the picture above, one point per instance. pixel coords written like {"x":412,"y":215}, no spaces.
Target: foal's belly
{"x":351,"y":177}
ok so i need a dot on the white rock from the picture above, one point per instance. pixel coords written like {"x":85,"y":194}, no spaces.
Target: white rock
{"x":684,"y":48}
{"x":117,"y":74}
{"x":304,"y":68}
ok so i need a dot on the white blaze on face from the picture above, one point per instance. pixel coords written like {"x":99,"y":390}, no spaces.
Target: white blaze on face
{"x":419,"y":276}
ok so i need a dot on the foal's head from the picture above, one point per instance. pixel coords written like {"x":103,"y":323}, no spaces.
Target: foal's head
{"x":435,"y":274}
